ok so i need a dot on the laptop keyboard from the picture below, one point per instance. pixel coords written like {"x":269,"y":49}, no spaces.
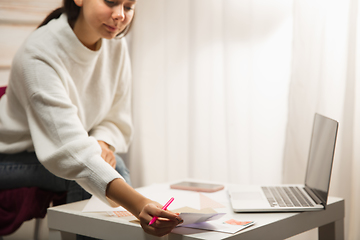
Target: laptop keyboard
{"x":286,"y":197}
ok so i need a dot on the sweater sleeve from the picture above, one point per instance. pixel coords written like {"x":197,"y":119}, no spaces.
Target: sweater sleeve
{"x":60,"y":141}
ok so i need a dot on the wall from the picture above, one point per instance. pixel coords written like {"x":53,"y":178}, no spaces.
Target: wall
{"x":17,"y":20}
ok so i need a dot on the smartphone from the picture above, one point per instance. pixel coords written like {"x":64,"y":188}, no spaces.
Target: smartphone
{"x":198,"y":187}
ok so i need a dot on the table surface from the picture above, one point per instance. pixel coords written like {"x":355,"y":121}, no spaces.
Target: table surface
{"x":70,"y":218}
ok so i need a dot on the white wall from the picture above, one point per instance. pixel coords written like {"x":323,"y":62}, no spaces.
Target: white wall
{"x":17,"y":20}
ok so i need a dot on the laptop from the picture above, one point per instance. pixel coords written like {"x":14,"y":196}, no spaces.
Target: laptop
{"x":312,"y":195}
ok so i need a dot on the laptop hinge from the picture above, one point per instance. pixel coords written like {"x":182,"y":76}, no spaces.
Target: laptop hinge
{"x":313,"y":196}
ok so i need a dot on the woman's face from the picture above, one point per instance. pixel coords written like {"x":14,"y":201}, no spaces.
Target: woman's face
{"x":102,"y":18}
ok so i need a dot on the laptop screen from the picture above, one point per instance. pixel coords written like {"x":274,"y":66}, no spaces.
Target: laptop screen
{"x":321,"y":156}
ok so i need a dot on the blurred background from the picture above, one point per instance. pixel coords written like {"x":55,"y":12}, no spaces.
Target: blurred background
{"x":226,"y":90}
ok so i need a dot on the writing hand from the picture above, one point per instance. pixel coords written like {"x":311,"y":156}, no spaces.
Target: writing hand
{"x":165,"y":223}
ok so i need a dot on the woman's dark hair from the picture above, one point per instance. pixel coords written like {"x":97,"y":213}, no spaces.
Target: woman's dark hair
{"x":72,"y":11}
{"x":69,"y":7}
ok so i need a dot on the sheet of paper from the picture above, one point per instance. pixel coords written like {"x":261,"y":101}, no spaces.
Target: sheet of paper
{"x":219,"y":226}
{"x":196,"y":217}
{"x":194,"y":210}
{"x":208,"y":202}
{"x":191,"y":218}
{"x":120,"y":213}
{"x":96,"y":205}
{"x":162,"y":193}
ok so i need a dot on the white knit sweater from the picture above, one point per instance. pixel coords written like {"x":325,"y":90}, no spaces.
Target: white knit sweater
{"x":62,"y":97}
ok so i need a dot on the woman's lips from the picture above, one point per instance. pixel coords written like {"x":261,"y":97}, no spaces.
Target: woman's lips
{"x":111,"y":28}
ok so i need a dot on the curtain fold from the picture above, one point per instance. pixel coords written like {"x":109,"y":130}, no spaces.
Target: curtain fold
{"x":210,"y":89}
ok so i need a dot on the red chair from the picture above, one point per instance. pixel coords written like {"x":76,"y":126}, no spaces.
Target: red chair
{"x":2,"y":91}
{"x":23,"y":204}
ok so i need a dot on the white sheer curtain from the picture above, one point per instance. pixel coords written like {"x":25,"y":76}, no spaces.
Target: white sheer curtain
{"x":211,"y":80}
{"x":226,"y":90}
{"x":325,"y":79}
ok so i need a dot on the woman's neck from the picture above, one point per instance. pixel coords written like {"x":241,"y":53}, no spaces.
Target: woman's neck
{"x":85,"y":37}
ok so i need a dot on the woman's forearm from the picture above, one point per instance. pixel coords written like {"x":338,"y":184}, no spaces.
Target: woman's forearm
{"x":123,"y":194}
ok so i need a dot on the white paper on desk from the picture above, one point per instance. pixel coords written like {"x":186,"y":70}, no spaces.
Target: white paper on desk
{"x":191,"y":218}
{"x":219,"y":226}
{"x":161,"y":193}
{"x":96,"y":205}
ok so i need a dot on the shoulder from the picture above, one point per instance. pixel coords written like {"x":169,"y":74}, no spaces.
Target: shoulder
{"x":41,"y":43}
{"x":48,"y":44}
{"x":39,"y":56}
{"x":49,"y":34}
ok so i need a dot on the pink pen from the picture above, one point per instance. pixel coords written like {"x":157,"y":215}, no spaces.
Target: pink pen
{"x":163,"y":208}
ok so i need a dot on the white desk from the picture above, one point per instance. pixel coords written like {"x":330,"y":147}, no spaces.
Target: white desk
{"x":70,"y":218}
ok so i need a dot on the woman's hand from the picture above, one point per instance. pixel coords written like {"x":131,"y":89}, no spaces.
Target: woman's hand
{"x":142,"y":208}
{"x":107,"y":154}
{"x":166,"y":222}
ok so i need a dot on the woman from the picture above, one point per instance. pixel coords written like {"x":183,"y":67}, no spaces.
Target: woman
{"x":67,"y":109}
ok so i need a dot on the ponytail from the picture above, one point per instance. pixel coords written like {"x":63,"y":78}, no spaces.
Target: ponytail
{"x":54,"y":14}
{"x":69,"y":7}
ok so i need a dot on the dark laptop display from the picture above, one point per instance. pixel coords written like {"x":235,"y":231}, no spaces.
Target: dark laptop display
{"x":321,"y":155}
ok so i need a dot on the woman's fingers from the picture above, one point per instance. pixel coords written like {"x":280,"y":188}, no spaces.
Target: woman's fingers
{"x":166,"y":221}
{"x":160,"y":227}
{"x":109,"y":157}
{"x":151,"y":210}
{"x":107,"y":154}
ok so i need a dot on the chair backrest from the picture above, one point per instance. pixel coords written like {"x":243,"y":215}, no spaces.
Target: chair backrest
{"x":2,"y":91}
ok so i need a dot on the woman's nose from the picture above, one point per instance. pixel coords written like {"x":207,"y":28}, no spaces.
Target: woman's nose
{"x":118,"y":12}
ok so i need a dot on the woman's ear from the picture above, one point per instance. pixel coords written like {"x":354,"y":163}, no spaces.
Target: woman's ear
{"x":78,"y":3}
